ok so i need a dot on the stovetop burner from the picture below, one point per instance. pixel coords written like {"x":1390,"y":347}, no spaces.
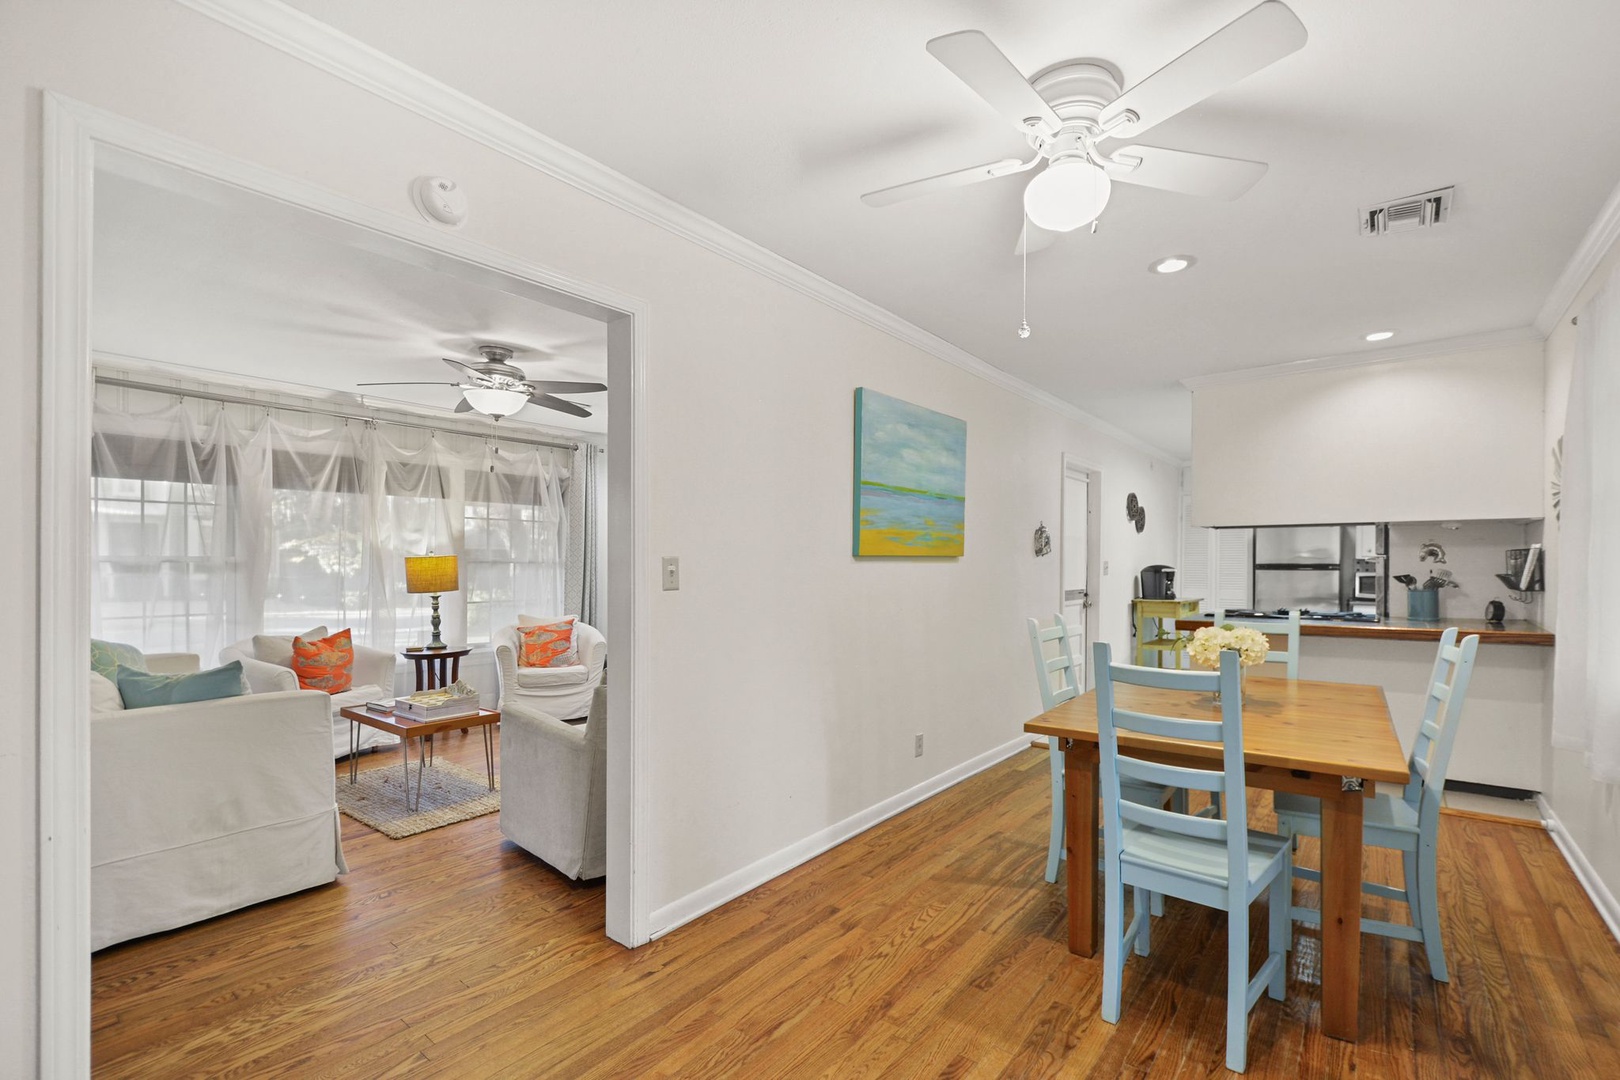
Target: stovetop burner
{"x":1308,"y":615}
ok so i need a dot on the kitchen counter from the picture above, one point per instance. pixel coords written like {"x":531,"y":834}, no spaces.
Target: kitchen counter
{"x":1395,"y":628}
{"x":1503,"y":736}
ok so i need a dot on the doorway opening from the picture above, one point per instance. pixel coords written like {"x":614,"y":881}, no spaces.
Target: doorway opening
{"x":80,"y":141}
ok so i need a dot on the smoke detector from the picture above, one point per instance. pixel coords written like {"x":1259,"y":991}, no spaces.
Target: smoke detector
{"x":1408,"y":213}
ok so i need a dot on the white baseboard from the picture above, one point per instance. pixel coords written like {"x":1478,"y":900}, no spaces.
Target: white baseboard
{"x":1606,"y":904}
{"x":733,"y":885}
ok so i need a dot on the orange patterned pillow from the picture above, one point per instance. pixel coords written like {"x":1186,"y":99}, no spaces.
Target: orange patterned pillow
{"x":324,"y":664}
{"x":547,"y":645}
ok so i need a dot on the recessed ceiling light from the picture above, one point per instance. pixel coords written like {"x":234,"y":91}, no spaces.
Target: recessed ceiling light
{"x":1172,"y":264}
{"x":1380,"y":335}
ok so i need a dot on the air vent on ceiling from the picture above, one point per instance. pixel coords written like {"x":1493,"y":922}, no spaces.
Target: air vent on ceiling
{"x":1408,"y":213}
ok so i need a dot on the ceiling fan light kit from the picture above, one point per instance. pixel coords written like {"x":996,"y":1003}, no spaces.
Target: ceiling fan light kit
{"x":1071,"y":192}
{"x":1070,"y":107}
{"x":495,"y":402}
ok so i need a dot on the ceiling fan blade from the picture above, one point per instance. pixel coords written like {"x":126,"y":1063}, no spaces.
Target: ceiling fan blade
{"x":477,"y":376}
{"x":464,"y":406}
{"x":1256,"y":39}
{"x":407,"y":384}
{"x":975,"y":60}
{"x":1034,"y":238}
{"x":1186,"y":172}
{"x":546,"y":401}
{"x":960,"y":178}
{"x":547,"y":386}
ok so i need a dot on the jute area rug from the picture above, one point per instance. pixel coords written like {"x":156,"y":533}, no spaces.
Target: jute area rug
{"x":450,"y":793}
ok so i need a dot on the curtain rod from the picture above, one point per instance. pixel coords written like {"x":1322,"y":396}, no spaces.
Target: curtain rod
{"x":240,"y":399}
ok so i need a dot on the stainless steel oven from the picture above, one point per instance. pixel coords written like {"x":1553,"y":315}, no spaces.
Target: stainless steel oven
{"x":1366,"y":583}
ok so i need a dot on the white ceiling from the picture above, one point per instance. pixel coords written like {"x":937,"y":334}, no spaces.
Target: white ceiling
{"x":772,"y":118}
{"x":191,"y":273}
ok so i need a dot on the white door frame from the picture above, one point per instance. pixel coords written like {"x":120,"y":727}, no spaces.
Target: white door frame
{"x":72,"y":134}
{"x":1081,"y":470}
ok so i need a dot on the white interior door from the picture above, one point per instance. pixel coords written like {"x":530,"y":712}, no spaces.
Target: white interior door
{"x":1076,"y":596}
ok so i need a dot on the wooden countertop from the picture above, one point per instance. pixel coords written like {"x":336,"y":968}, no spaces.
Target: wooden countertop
{"x":1511,"y":632}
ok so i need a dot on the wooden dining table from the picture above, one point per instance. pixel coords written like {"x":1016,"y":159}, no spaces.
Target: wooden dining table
{"x":1330,"y":740}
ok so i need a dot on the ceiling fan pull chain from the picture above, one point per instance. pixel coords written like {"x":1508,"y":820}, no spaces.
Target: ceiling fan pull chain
{"x":1023,"y":325}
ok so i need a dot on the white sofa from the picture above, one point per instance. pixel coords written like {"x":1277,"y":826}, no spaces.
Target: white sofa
{"x":554,"y":786}
{"x":563,"y":692}
{"x":373,"y":679}
{"x":203,"y":808}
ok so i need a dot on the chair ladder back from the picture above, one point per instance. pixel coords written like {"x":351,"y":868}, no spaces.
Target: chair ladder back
{"x":1117,"y":762}
{"x":1288,"y":630}
{"x":1057,"y":674}
{"x":1449,"y":718}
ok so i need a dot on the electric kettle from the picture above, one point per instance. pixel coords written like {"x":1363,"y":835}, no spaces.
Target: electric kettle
{"x":1494,"y":611}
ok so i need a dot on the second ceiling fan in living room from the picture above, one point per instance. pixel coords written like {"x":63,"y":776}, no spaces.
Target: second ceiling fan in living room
{"x":496,"y":387}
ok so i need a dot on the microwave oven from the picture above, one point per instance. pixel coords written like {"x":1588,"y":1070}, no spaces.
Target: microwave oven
{"x":1366,"y":585}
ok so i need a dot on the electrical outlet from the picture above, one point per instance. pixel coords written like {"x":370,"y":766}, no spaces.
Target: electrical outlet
{"x":916,"y":750}
{"x":672,"y":573}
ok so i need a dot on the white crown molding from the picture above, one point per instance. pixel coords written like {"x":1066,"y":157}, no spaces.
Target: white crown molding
{"x":1597,"y":242}
{"x":336,"y":53}
{"x":1490,"y":339}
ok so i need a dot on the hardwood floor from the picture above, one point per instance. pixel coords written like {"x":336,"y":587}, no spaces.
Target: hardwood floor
{"x":928,"y":946}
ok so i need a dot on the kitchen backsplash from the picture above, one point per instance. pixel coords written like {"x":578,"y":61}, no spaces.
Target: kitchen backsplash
{"x":1475,"y":551}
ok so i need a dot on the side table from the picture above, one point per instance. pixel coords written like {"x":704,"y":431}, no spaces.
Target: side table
{"x":436,"y":668}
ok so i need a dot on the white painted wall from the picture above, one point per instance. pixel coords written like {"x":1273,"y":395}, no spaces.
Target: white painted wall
{"x":787,"y":679}
{"x":1447,"y":437}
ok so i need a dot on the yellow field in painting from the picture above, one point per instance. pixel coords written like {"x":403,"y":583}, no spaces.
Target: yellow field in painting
{"x":934,"y":539}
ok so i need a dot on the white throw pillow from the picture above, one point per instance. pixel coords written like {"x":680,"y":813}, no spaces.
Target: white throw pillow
{"x":278,"y":650}
{"x":104,"y":695}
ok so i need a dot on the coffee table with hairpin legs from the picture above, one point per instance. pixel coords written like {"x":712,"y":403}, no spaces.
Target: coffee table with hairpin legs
{"x":422,"y":731}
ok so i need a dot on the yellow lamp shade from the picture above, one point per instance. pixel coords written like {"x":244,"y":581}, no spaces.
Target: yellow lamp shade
{"x":431,"y":574}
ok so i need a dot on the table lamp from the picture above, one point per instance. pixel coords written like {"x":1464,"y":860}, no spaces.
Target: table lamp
{"x":432,"y":574}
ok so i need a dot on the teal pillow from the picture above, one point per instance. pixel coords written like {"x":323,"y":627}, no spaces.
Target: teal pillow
{"x":105,"y":656}
{"x":142,"y":690}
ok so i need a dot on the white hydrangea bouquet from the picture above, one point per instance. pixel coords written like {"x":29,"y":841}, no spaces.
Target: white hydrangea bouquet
{"x":1208,"y":642}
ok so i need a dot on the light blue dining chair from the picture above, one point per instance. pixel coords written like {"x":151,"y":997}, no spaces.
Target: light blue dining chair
{"x":1287,"y":628}
{"x":1273,"y":628}
{"x":1059,"y":680}
{"x":1220,"y":864}
{"x":1408,"y":822}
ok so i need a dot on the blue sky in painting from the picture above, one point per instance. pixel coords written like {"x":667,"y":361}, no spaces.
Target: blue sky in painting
{"x":906,"y":445}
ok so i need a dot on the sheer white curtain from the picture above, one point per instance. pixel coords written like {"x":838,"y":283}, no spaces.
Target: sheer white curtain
{"x":213,"y":522}
{"x":1586,"y":691}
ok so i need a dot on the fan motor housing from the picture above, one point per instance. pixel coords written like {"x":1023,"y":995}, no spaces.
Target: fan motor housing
{"x":1078,"y":89}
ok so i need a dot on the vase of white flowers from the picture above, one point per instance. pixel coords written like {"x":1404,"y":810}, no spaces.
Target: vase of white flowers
{"x":1209,"y":642}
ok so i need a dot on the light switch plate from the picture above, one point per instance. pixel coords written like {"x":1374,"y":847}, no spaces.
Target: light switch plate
{"x":672,"y":573}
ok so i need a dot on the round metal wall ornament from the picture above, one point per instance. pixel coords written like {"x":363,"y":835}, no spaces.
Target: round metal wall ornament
{"x":1131,"y":506}
{"x":1043,"y":540}
{"x":1140,"y":517}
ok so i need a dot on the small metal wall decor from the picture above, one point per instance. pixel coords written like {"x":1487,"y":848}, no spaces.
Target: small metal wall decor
{"x":1429,"y":550}
{"x":1043,"y":540}
{"x":1135,"y":511}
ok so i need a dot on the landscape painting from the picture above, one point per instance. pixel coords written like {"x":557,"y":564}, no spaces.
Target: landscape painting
{"x":910,"y":478}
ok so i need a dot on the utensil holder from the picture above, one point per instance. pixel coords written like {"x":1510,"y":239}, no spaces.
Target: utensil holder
{"x":1423,"y":604}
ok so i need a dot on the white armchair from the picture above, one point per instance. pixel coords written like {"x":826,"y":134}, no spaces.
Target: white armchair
{"x":562,"y":692}
{"x":206,"y":807}
{"x":373,"y":679}
{"x":554,"y":786}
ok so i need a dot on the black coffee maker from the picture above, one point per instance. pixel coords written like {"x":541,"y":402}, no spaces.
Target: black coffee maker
{"x":1158,"y":582}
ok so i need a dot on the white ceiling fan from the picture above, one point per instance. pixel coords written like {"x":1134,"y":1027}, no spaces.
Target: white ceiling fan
{"x":496,"y":387}
{"x":1067,"y":109}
